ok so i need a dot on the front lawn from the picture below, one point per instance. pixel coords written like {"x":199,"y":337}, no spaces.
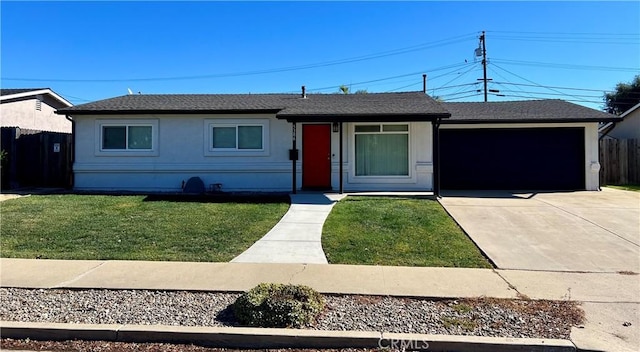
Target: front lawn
{"x":397,"y":231}
{"x":627,"y":187}
{"x":131,"y":228}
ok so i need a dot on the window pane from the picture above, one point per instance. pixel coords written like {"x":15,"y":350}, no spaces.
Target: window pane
{"x":114,"y":137}
{"x":382,"y":154}
{"x":249,"y":137}
{"x":224,"y":137}
{"x":368,"y":128}
{"x":395,"y":128}
{"x":139,"y":137}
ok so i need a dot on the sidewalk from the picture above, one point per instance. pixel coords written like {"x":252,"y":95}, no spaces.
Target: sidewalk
{"x":609,"y":299}
{"x":296,"y":238}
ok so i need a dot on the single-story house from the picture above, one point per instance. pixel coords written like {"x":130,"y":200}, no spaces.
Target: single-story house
{"x":628,"y":128}
{"x":356,"y":142}
{"x":33,"y":109}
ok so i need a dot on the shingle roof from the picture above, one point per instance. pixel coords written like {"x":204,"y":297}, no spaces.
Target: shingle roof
{"x":400,"y":104}
{"x":168,"y":103}
{"x":415,"y":105}
{"x":406,"y":106}
{"x":11,"y":91}
{"x":529,"y":111}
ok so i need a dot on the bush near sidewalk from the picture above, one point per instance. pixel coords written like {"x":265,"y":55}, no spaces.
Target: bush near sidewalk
{"x":271,"y":305}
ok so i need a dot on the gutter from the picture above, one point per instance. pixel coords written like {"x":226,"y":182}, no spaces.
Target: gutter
{"x":607,"y":130}
{"x":73,"y":149}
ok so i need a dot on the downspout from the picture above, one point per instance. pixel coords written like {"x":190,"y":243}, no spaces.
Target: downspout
{"x":436,"y":157}
{"x":341,"y":171}
{"x":294,"y":156}
{"x":73,"y":150}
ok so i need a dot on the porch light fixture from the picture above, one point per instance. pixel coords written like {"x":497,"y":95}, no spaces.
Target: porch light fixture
{"x":336,"y":127}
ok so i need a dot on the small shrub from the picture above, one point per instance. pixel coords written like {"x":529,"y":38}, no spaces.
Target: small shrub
{"x":270,"y":305}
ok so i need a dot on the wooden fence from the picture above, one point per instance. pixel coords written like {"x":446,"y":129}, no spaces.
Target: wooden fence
{"x":619,"y":161}
{"x":35,"y":158}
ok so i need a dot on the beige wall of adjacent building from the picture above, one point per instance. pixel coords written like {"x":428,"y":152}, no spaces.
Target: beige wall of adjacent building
{"x":25,"y":114}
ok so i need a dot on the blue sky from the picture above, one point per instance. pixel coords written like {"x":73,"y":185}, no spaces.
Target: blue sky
{"x":87,"y":51}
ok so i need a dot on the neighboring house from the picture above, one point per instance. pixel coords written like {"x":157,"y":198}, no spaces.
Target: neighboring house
{"x":356,"y":142}
{"x":628,"y":128}
{"x":33,"y":109}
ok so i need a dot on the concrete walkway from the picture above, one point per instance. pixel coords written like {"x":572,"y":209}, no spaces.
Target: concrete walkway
{"x":611,"y":301}
{"x":297,"y":237}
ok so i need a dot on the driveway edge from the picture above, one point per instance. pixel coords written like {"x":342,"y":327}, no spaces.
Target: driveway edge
{"x":232,"y":337}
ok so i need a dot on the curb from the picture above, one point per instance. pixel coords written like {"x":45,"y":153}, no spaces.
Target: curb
{"x":232,"y":337}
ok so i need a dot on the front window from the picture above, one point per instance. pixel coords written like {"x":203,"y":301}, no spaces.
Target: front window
{"x":236,"y":137}
{"x":127,"y":137}
{"x":382,"y":150}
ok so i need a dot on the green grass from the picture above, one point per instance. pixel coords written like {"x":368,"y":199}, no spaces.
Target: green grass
{"x":628,"y":187}
{"x":397,"y":231}
{"x":129,"y":228}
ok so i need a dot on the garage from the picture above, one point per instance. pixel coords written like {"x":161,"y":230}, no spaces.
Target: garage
{"x":546,"y":158}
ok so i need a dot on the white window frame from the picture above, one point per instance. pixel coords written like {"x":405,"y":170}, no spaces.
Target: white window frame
{"x":210,"y":124}
{"x":409,"y":178}
{"x":101,"y":123}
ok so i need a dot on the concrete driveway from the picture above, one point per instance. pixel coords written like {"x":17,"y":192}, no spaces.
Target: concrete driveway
{"x":555,"y":231}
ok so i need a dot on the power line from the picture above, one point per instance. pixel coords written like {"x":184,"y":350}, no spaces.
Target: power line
{"x":458,"y":85}
{"x":456,"y":66}
{"x":569,"y":33}
{"x":403,"y":87}
{"x":542,"y":98}
{"x":556,"y":94}
{"x":566,"y":37}
{"x":423,"y":46}
{"x":565,"y":66}
{"x":460,"y":75}
{"x":458,"y":93}
{"x":466,"y":96}
{"x":543,"y":86}
{"x":530,"y":81}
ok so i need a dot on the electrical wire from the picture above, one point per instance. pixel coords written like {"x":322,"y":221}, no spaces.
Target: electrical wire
{"x":423,"y":46}
{"x":556,"y":87}
{"x":467,"y":96}
{"x":455,"y":66}
{"x":530,"y":81}
{"x":565,"y":66}
{"x":403,"y":87}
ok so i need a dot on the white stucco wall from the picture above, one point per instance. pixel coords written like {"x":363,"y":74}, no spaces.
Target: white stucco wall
{"x":180,"y":153}
{"x":591,"y":165}
{"x":23,"y":114}
{"x":629,"y":128}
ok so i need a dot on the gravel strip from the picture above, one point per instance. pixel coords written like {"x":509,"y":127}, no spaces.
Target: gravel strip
{"x":480,"y":317}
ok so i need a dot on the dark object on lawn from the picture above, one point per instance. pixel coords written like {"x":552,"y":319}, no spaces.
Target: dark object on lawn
{"x":194,"y":186}
{"x":270,"y":305}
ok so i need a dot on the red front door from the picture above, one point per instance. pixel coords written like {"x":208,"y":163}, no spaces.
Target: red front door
{"x":316,"y":156}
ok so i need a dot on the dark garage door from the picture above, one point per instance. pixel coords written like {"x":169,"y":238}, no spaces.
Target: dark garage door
{"x":515,"y":159}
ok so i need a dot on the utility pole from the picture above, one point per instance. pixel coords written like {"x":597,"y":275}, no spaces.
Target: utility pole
{"x":484,"y":64}
{"x":482,"y":50}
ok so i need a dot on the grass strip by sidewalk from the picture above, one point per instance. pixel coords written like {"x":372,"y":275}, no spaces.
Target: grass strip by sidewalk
{"x":397,"y":231}
{"x":130,"y":228}
{"x":628,"y":187}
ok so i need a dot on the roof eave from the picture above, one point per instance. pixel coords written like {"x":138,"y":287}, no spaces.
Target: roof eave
{"x":362,"y":117}
{"x":165,"y":112}
{"x":519,"y":121}
{"x":34,"y":93}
